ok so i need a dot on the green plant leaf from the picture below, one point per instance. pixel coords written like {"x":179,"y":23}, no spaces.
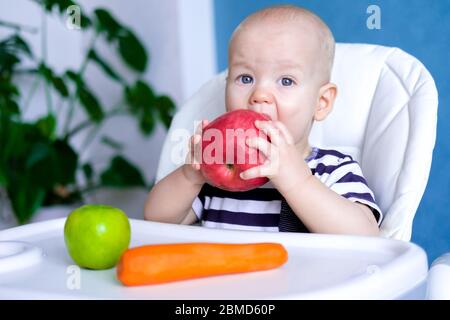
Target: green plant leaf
{"x":60,"y":86}
{"x":37,"y":167}
{"x":17,"y":141}
{"x":90,"y":104}
{"x":142,"y":102}
{"x":16,"y":44}
{"x":47,"y":126}
{"x":132,"y":51}
{"x":166,"y":109}
{"x":21,"y":46}
{"x":31,"y":164}
{"x":8,"y":89}
{"x":130,"y":48}
{"x":25,"y":193}
{"x":58,"y":167}
{"x":104,"y":66}
{"x":8,"y":93}
{"x":2,"y":178}
{"x":75,"y":77}
{"x":112,"y":143}
{"x":39,"y":151}
{"x":46,"y":72}
{"x":67,"y":160}
{"x":87,"y":99}
{"x":106,"y":23}
{"x":7,"y":62}
{"x":121,"y":173}
{"x":139,"y":96}
{"x":25,"y":198}
{"x":10,"y":50}
{"x":61,"y":6}
{"x":4,"y":130}
{"x":88,"y":171}
{"x":9,"y":106}
{"x":147,"y":122}
{"x":85,"y":21}
{"x":56,"y":81}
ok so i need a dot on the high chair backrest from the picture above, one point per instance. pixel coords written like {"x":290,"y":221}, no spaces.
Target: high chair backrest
{"x":384,"y":116}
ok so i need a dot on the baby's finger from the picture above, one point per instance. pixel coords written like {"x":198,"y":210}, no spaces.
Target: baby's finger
{"x":196,"y":166}
{"x":256,"y":172}
{"x":285,"y":132}
{"x":262,"y":145}
{"x":201,"y":125}
{"x":190,"y":154}
{"x":197,"y":147}
{"x":192,"y":148}
{"x":251,"y":173}
{"x":271,"y":131}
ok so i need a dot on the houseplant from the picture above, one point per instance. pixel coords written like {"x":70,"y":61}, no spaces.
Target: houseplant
{"x":38,"y":164}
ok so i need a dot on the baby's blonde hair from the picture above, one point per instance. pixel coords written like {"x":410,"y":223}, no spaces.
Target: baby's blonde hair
{"x":291,"y":13}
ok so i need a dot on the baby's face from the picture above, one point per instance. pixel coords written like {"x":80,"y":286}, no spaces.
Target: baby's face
{"x":271,"y":70}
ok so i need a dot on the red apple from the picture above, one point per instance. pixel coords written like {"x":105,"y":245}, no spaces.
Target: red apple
{"x":224,"y":151}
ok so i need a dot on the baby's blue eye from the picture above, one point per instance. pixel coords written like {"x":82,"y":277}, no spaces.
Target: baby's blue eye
{"x":246,"y":79}
{"x":287,"y":82}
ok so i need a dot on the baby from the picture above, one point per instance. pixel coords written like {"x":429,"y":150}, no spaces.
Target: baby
{"x":280,"y":61}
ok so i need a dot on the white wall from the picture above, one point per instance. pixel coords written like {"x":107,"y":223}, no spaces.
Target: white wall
{"x":197,"y":43}
{"x":180,"y":40}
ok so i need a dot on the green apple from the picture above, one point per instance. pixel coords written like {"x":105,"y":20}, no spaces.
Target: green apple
{"x":96,"y":236}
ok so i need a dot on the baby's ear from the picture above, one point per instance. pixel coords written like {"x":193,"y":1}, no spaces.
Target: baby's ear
{"x":327,"y":95}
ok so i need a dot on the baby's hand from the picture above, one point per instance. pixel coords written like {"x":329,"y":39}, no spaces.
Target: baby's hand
{"x":284,"y":165}
{"x":191,"y":169}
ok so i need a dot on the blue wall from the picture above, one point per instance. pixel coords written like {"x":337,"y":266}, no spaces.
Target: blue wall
{"x":421,"y":28}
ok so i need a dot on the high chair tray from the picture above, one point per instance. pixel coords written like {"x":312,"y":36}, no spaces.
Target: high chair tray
{"x":319,"y":267}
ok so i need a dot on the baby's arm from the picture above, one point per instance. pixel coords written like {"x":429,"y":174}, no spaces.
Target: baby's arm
{"x":170,"y":200}
{"x":321,"y":209}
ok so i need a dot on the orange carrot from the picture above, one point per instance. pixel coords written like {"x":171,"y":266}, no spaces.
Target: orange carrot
{"x":153,"y":264}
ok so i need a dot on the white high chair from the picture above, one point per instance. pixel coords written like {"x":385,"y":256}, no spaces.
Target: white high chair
{"x":384,"y":116}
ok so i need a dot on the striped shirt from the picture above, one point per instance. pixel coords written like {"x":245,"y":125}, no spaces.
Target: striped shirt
{"x":265,"y":209}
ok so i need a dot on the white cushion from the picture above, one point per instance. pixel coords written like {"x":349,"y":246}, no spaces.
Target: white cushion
{"x":384,"y":116}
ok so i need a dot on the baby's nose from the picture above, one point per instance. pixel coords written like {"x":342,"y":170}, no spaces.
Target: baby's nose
{"x":261,"y":96}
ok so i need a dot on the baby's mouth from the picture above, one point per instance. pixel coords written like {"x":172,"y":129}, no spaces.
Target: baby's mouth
{"x":262,"y":112}
{"x":267,"y":114}
{"x":270,"y":117}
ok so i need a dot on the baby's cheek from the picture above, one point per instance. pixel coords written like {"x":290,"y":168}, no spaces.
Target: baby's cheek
{"x":229,"y":105}
{"x":234,"y":99}
{"x":295,"y":125}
